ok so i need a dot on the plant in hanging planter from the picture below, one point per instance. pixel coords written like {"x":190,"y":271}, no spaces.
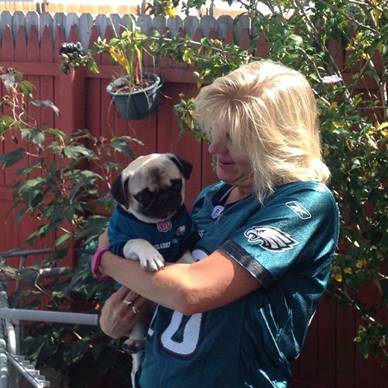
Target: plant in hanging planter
{"x":134,"y":92}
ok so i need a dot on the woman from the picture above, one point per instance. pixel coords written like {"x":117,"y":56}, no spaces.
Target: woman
{"x":238,"y":316}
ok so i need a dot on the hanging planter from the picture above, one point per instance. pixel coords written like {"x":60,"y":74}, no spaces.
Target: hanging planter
{"x":135,"y":94}
{"x":138,"y":104}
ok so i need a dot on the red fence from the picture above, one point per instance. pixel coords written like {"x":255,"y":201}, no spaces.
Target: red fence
{"x":330,"y":357}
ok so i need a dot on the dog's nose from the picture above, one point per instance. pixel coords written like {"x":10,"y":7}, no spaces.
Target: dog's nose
{"x":165,"y":196}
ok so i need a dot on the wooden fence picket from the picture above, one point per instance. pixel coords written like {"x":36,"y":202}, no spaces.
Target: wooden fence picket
{"x":225,"y":28}
{"x":191,"y":24}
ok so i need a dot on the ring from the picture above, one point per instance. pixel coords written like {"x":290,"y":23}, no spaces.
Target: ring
{"x":127,"y":302}
{"x":135,"y":310}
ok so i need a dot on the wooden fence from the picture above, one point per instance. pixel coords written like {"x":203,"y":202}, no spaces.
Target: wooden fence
{"x":30,"y":43}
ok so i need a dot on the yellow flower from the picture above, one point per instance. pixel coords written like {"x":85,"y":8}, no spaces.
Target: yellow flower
{"x":338,"y":277}
{"x":382,"y":127}
{"x":377,"y":14}
{"x":170,"y":9}
{"x":348,"y":270}
{"x":361,"y":263}
{"x":186,"y":56}
{"x":337,"y":124}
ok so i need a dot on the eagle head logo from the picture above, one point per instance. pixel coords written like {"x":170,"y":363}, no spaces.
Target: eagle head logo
{"x":270,"y":238}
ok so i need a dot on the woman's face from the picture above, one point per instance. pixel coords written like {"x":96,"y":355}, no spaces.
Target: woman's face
{"x":232,"y":164}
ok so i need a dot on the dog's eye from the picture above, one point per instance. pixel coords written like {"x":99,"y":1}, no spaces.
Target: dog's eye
{"x":143,"y":196}
{"x":176,"y":185}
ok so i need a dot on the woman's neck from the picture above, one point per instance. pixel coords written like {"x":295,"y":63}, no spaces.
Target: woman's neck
{"x":237,"y":193}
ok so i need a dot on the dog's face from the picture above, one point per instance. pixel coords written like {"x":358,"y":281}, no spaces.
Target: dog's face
{"x":152,"y":187}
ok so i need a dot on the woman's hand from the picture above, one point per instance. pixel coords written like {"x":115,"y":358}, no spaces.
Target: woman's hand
{"x":121,"y":312}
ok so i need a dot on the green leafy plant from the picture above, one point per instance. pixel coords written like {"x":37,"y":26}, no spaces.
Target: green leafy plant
{"x":62,"y":181}
{"x":126,"y":49}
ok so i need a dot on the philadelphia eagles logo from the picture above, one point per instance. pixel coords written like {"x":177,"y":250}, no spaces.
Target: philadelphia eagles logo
{"x":270,"y":238}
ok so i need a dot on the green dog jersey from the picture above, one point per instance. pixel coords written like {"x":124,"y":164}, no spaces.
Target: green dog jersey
{"x":287,"y":246}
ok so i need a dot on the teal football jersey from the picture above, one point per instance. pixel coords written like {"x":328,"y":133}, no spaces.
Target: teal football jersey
{"x":286,"y":245}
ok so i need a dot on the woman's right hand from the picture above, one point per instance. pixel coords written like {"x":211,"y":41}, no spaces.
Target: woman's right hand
{"x":120,"y":312}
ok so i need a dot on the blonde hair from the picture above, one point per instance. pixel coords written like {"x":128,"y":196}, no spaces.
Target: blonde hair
{"x":269,"y":111}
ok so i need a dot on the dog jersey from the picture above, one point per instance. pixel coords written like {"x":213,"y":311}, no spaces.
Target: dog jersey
{"x":287,"y":246}
{"x":171,"y":238}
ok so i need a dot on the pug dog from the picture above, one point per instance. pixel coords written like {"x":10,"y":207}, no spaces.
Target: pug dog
{"x":150,"y":222}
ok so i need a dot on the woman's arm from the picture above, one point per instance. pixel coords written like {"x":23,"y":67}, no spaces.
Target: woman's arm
{"x":189,"y":288}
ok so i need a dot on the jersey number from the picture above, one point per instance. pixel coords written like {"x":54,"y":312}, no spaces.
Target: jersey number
{"x":181,"y":336}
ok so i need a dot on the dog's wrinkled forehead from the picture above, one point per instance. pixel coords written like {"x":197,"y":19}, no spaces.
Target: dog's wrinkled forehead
{"x":152,"y":171}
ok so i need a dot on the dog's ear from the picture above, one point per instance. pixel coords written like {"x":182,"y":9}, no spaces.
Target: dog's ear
{"x":184,"y":166}
{"x":119,"y":191}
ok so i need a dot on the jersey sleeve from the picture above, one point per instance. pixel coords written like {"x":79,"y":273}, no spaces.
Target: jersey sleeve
{"x":292,"y":232}
{"x":119,"y":232}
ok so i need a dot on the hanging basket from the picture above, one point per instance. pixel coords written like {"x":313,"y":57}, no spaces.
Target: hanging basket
{"x":139,"y":104}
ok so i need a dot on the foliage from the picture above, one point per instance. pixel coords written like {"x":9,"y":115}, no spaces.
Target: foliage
{"x":55,"y":186}
{"x":162,"y":7}
{"x":83,"y":354}
{"x":211,"y":57}
{"x":125,"y":49}
{"x":353,"y":124}
{"x":62,"y":181}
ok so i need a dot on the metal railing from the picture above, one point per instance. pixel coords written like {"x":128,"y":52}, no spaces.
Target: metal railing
{"x":10,"y":323}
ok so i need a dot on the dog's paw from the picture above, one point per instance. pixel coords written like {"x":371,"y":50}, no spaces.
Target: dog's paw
{"x":149,"y":257}
{"x":151,"y":260}
{"x":133,"y":346}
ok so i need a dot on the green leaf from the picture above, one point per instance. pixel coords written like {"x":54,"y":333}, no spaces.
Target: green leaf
{"x":30,"y":189}
{"x":90,"y":175}
{"x":34,"y":235}
{"x":33,"y":135}
{"x":20,"y":214}
{"x":111,"y":166}
{"x":12,"y":157}
{"x":60,"y":135}
{"x":121,"y":145}
{"x":31,"y":167}
{"x":94,"y":226}
{"x":26,"y":87}
{"x":6,"y":122}
{"x":82,"y":179}
{"x":78,"y":151}
{"x":93,"y":67}
{"x":62,"y":239}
